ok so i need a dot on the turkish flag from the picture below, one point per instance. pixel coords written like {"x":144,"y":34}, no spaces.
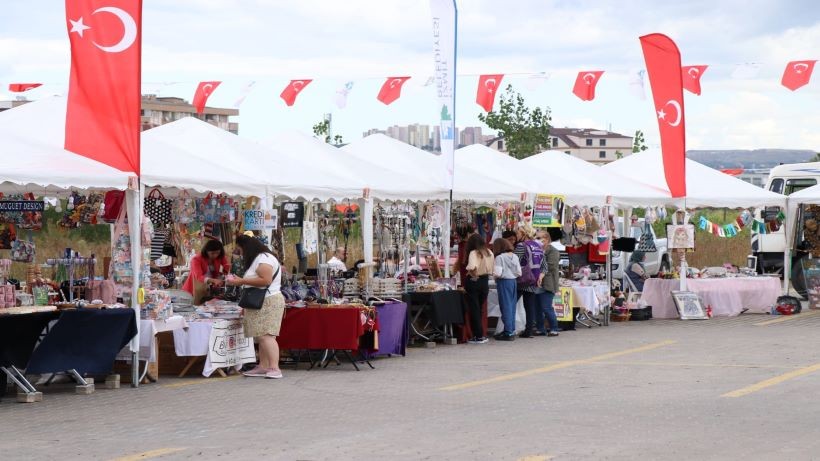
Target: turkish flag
{"x":103,"y":113}
{"x":487,"y":86}
{"x":391,"y":90}
{"x":665,"y":77}
{"x":690,"y":75}
{"x":585,"y":84}
{"x":797,"y":74}
{"x":292,"y":90}
{"x":203,"y":92}
{"x":21,"y":87}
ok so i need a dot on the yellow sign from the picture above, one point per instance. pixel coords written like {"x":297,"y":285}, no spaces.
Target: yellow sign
{"x":562,"y":303}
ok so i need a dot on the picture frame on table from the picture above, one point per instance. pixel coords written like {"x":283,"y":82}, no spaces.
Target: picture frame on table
{"x":681,"y":236}
{"x":689,"y":305}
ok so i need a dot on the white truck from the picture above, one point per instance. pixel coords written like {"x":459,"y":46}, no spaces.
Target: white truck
{"x":769,"y":248}
{"x":654,"y":263}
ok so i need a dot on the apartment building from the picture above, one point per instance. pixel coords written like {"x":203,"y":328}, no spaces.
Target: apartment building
{"x":595,"y":146}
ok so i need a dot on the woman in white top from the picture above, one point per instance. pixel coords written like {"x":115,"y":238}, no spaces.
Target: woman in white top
{"x":262,"y":270}
{"x":479,"y":267}
{"x":506,"y":270}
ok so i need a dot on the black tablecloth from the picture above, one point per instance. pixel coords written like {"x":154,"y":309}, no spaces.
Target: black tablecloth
{"x":443,"y":306}
{"x":18,"y":336}
{"x":86,"y":340}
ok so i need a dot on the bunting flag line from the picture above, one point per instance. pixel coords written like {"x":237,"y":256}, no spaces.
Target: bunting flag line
{"x":534,"y":81}
{"x":246,"y":90}
{"x":691,"y":78}
{"x":665,"y":78}
{"x":21,"y":87}
{"x":487,"y":86}
{"x":797,"y":74}
{"x":202,"y":93}
{"x":746,"y":71}
{"x":585,"y":84}
{"x":743,"y":220}
{"x":293,"y":89}
{"x":636,"y":84}
{"x":104,"y":95}
{"x":340,"y":98}
{"x":391,"y":89}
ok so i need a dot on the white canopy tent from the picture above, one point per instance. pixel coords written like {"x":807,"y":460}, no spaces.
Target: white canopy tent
{"x":34,"y":161}
{"x":586,"y":176}
{"x":705,"y":187}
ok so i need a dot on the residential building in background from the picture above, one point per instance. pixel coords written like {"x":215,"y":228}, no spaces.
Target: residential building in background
{"x":427,"y":137}
{"x":594,"y":146}
{"x":156,"y":111}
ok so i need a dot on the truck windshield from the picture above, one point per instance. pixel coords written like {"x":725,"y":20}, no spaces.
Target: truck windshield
{"x":795,"y":185}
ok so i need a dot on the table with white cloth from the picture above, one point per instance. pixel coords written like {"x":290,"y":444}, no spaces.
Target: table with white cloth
{"x":728,"y":296}
{"x":148,"y":341}
{"x":590,"y":298}
{"x":221,"y":341}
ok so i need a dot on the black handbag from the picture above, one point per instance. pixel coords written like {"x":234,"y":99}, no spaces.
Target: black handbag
{"x":254,"y":298}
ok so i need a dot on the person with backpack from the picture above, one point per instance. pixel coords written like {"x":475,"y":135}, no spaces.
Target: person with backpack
{"x":530,"y":254}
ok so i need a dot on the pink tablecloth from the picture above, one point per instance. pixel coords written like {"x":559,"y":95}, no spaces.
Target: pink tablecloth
{"x":727,"y":296}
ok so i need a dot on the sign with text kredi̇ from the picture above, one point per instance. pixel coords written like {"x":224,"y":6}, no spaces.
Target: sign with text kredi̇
{"x":8,"y":206}
{"x":547,"y":210}
{"x":260,"y":219}
{"x":293,"y":213}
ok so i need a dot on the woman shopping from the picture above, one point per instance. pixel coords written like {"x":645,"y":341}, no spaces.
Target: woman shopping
{"x":262,"y":270}
{"x":506,"y":270}
{"x":480,"y":264}
{"x":209,"y":267}
{"x":549,"y":282}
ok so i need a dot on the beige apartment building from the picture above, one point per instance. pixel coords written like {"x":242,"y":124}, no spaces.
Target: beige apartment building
{"x":595,"y":146}
{"x":158,"y":111}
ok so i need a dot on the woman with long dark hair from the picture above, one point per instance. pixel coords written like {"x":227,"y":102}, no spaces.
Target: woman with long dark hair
{"x":480,"y":262}
{"x":208,"y":267}
{"x":262,"y":270}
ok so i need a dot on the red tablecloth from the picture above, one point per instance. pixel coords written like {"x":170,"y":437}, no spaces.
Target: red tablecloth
{"x":321,"y":328}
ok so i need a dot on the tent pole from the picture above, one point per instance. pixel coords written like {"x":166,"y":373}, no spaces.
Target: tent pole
{"x":448,"y":205}
{"x":134,"y":195}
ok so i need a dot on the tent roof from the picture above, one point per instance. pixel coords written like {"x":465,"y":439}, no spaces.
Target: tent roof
{"x":193,"y":154}
{"x":397,"y":171}
{"x":485,"y":174}
{"x":33,"y":136}
{"x":624,"y":192}
{"x":705,"y":187}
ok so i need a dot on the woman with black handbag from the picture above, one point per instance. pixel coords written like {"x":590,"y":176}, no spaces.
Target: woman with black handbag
{"x":263,"y":303}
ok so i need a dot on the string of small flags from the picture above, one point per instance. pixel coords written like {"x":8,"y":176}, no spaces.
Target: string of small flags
{"x":743,"y":219}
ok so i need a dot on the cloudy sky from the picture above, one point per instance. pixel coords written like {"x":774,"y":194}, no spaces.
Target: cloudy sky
{"x":364,"y":41}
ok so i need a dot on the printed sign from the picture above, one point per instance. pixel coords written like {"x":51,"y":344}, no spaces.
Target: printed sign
{"x":563,"y":304}
{"x":228,"y":346}
{"x":293,"y":213}
{"x":547,"y":210}
{"x":21,"y":205}
{"x":260,"y":219}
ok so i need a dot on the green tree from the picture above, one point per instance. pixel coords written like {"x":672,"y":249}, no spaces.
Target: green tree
{"x":619,"y":155}
{"x":322,"y":129}
{"x":526,"y":131}
{"x":639,"y":144}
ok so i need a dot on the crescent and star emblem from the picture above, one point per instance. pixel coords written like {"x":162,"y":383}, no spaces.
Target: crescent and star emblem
{"x":588,"y":80}
{"x":394,"y":82}
{"x":800,"y":67}
{"x":662,"y":114}
{"x":298,"y":85}
{"x":207,"y":89}
{"x":694,"y":72}
{"x":129,"y":35}
{"x":490,"y":84}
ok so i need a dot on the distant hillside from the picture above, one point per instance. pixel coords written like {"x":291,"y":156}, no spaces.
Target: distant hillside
{"x":759,"y":158}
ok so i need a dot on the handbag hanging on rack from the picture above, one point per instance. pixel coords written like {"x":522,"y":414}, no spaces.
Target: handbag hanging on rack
{"x":646,"y":243}
{"x":157,"y":208}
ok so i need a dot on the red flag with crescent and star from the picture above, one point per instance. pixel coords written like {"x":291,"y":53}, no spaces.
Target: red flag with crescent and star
{"x":665,"y":77}
{"x":585,"y":84}
{"x":797,"y":74}
{"x":21,"y":87}
{"x":690,"y":76}
{"x":203,"y":92}
{"x":487,"y":87}
{"x":293,"y":89}
{"x":391,"y":89}
{"x":103,"y":110}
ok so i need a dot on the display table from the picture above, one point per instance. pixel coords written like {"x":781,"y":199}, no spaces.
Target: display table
{"x":394,"y":330}
{"x":18,"y":336}
{"x":85,"y":340}
{"x":727,"y":296}
{"x":432,"y":311}
{"x":591,"y":297}
{"x":221,"y":341}
{"x":325,"y":328}
{"x":148,"y":342}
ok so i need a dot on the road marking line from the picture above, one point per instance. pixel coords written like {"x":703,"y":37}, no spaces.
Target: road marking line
{"x":772,"y":381}
{"x":536,"y":458}
{"x":700,"y":365}
{"x":557,"y":366}
{"x":200,"y":381}
{"x":150,"y":454}
{"x":786,"y":318}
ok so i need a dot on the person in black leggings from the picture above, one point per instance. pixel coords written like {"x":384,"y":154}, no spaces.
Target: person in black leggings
{"x":480,"y":262}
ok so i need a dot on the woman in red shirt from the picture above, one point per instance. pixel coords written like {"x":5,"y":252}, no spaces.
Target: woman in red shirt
{"x":209,"y":266}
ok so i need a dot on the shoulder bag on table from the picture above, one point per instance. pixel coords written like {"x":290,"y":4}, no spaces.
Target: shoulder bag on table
{"x":254,"y":298}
